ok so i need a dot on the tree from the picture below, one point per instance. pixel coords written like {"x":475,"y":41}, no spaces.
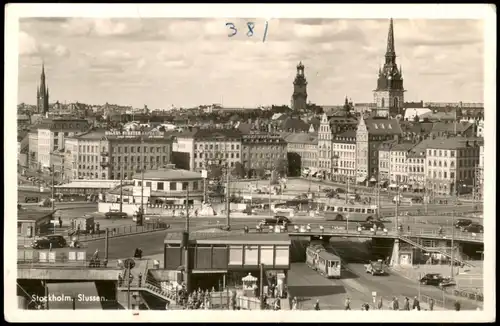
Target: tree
{"x":215,"y":172}
{"x":239,"y":170}
{"x":294,"y":164}
{"x":260,"y":172}
{"x":281,"y":167}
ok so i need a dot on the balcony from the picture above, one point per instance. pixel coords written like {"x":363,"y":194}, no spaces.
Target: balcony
{"x":104,"y":164}
{"x":104,"y":153}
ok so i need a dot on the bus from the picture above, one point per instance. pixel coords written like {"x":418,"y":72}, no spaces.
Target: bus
{"x":324,"y":262}
{"x":354,"y":213}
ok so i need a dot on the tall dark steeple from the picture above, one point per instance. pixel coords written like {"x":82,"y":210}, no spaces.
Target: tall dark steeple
{"x":389,"y":94}
{"x":299,"y":97}
{"x":42,"y":94}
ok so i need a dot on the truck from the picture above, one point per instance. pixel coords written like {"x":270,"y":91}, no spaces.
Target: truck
{"x":375,"y":267}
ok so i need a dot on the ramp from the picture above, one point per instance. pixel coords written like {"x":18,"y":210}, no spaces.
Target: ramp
{"x":431,"y":249}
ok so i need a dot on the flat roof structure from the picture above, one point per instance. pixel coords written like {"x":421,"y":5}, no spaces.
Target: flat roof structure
{"x":32,"y":215}
{"x":217,"y":236}
{"x":171,"y":174}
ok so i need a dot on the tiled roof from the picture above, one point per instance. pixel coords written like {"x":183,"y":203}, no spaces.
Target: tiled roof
{"x":383,"y":126}
{"x":454,"y":142}
{"x":450,"y":127}
{"x":302,"y":138}
{"x":294,"y":124}
{"x":387,"y":145}
{"x":348,"y":136}
{"x":402,"y":147}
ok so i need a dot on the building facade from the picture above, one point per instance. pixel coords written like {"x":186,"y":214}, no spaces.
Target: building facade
{"x":416,"y":165}
{"x":399,"y":169}
{"x":369,"y":135}
{"x":344,"y":156}
{"x":116,"y":155}
{"x":451,"y":164}
{"x":302,"y":149}
{"x":52,"y":134}
{"x":389,"y":94}
{"x":33,"y":149}
{"x":325,"y":166}
{"x":299,"y":97}
{"x":209,"y":147}
{"x":262,"y":151}
{"x":384,"y":161}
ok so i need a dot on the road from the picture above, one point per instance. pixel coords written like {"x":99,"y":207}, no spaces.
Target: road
{"x":355,"y":254}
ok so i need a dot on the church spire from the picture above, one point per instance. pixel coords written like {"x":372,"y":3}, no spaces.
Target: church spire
{"x":390,"y":40}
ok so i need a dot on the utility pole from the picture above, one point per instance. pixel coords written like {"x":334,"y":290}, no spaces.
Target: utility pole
{"x":270,"y":177}
{"x":261,"y":288}
{"x":53,"y":202}
{"x":142,"y":180}
{"x":453,"y":234}
{"x":228,"y":203}
{"x":347,"y":193}
{"x":121,"y":188}
{"x":129,"y":280}
{"x":187,"y":270}
{"x":397,"y":204}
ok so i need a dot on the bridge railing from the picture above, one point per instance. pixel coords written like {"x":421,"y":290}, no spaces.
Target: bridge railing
{"x":117,"y":231}
{"x":52,"y":259}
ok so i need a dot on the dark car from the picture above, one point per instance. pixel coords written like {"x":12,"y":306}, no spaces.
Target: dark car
{"x":432,"y":279}
{"x":110,"y":215}
{"x":31,"y":200}
{"x":275,"y":220}
{"x":280,"y":219}
{"x":463,"y":222}
{"x":372,"y":224}
{"x":473,"y":228}
{"x":57,"y":241}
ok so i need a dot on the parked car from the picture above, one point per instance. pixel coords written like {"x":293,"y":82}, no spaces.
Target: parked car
{"x":112,"y":214}
{"x":375,"y":267}
{"x":368,"y":225}
{"x":447,"y":281}
{"x":57,"y":241}
{"x":473,"y":228}
{"x":431,"y":279}
{"x":462,"y":222}
{"x":276,"y":220}
{"x":31,"y":200}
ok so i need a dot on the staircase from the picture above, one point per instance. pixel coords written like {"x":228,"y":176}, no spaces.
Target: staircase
{"x":431,"y":249}
{"x":151,"y":286}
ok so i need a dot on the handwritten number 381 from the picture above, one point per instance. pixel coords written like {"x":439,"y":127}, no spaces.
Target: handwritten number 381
{"x":235,"y":31}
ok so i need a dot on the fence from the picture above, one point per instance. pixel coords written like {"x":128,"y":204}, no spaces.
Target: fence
{"x":120,"y":231}
{"x":52,"y":259}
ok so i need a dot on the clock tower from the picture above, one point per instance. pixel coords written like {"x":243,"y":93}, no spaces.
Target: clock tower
{"x":299,"y":97}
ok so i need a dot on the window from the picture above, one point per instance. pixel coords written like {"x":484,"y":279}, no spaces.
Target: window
{"x":159,"y":186}
{"x":173,"y":185}
{"x":445,"y":175}
{"x":148,"y":183}
{"x":139,"y":183}
{"x":185,"y":185}
{"x":195,"y":185}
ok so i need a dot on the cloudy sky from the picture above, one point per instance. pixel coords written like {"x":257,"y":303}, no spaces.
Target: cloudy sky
{"x":188,"y":62}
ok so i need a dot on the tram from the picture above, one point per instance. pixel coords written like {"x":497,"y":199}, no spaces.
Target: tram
{"x":324,"y":262}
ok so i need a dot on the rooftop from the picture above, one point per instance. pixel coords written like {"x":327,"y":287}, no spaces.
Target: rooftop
{"x":402,"y":147}
{"x":91,"y":184}
{"x":215,"y":236}
{"x":383,"y":126}
{"x":32,"y":215}
{"x":171,"y":174}
{"x":454,"y":142}
{"x":301,"y":138}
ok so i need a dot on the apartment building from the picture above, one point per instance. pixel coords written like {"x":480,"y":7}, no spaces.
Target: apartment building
{"x":344,"y":156}
{"x":450,"y":164}
{"x":369,"y":135}
{"x":398,"y":163}
{"x":206,"y":147}
{"x":262,"y":151}
{"x":302,"y":149}
{"x":52,"y":134}
{"x":115,"y":155}
{"x":384,"y":161}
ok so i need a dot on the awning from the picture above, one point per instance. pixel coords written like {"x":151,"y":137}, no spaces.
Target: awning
{"x":360,"y":179}
{"x":373,"y":179}
{"x":392,"y":185}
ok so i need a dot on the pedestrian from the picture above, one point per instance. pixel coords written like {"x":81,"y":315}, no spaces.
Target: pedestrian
{"x":50,"y":246}
{"x":416,"y":304}
{"x":316,"y":305}
{"x":120,"y":280}
{"x":395,"y":303}
{"x":294,"y":303}
{"x":60,"y":223}
{"x":380,"y":304}
{"x":406,"y":304}
{"x":347,"y":305}
{"x":97,"y":227}
{"x":431,"y":304}
{"x":457,"y":306}
{"x":139,"y":279}
{"x":408,"y":229}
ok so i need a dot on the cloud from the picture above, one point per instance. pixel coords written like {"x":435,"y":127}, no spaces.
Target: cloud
{"x":28,"y":46}
{"x":182,"y":56}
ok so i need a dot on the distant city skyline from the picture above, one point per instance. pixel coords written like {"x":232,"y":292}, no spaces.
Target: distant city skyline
{"x":190,"y":62}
